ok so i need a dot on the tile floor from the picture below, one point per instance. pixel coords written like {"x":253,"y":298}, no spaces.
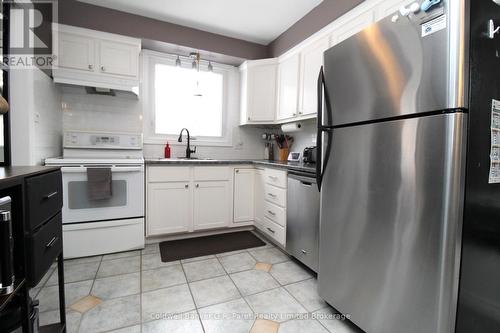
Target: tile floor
{"x":259,"y":290}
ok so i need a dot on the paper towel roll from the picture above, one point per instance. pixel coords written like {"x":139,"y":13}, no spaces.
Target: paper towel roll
{"x":291,"y":127}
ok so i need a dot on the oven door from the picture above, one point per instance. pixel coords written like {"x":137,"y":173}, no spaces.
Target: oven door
{"x":127,"y":200}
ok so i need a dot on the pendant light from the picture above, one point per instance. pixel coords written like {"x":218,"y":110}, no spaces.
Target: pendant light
{"x":196,"y":65}
{"x":210,"y":67}
{"x":178,"y":62}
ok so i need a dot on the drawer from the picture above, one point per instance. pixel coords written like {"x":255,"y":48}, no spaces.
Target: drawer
{"x":275,"y":195}
{"x":272,"y":230}
{"x":168,"y":174}
{"x":212,"y":173}
{"x":275,"y":213}
{"x":276,"y":177}
{"x":44,"y":198}
{"x":43,"y":248}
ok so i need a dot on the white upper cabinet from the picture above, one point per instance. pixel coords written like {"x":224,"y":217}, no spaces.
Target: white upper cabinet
{"x":76,"y":52}
{"x":352,"y":27}
{"x":258,"y":91}
{"x":288,"y":83}
{"x":243,"y":195}
{"x":311,"y":60}
{"x":118,"y":58}
{"x":389,"y":6}
{"x":97,"y":59}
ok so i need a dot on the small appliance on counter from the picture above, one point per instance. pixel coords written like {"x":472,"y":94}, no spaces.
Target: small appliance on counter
{"x":309,"y":155}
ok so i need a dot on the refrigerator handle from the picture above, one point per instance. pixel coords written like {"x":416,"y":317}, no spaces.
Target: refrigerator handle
{"x":319,"y":132}
{"x":320,"y":167}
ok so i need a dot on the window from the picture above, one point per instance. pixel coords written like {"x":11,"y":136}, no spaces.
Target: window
{"x":175,"y":97}
{"x":187,"y":98}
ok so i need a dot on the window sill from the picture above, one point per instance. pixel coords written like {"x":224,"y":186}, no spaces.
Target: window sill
{"x":199,"y":142}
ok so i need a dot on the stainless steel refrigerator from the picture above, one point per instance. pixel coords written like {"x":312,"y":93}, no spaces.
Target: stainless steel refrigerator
{"x":393,"y":130}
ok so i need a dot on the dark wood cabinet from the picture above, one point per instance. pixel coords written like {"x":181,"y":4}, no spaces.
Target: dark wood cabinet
{"x":37,"y":199}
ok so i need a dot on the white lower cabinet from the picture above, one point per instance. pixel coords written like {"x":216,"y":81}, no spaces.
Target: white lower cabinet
{"x":244,"y":197}
{"x":168,"y":207}
{"x":211,"y":205}
{"x":186,"y":199}
{"x":259,"y":195}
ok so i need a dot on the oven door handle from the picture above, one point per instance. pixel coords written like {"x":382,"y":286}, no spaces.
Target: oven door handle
{"x":113,"y":169}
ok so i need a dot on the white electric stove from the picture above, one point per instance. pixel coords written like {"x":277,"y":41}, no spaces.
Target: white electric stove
{"x":94,"y":227}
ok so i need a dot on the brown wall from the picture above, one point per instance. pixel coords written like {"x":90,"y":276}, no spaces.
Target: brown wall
{"x":84,"y":15}
{"x":315,"y":20}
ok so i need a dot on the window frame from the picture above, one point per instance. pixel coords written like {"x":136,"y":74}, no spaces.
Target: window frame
{"x":149,"y":60}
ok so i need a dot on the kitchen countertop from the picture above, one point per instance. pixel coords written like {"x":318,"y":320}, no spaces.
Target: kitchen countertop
{"x":297,"y":166}
{"x":15,"y":173}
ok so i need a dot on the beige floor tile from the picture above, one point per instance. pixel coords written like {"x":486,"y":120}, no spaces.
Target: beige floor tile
{"x":265,"y":326}
{"x":262,"y":266}
{"x":85,"y":304}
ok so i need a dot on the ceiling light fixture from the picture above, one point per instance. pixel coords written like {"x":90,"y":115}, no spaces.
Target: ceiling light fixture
{"x":210,"y":67}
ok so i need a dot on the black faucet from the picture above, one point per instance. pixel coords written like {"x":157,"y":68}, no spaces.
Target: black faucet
{"x":188,"y":148}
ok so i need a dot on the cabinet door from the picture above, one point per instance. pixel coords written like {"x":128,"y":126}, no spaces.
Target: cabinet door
{"x":259,"y":195}
{"x":261,"y":95}
{"x":169,"y":208}
{"x":211,"y":205}
{"x":388,"y":7}
{"x":352,"y":27}
{"x":288,"y":83}
{"x":118,"y":58}
{"x":243,"y":195}
{"x":310,"y":63}
{"x":76,"y":52}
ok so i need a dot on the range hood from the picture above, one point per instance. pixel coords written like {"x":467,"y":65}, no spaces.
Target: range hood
{"x":103,"y":87}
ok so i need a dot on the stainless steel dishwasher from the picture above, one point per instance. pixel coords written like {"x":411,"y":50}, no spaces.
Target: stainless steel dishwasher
{"x":302,"y":226}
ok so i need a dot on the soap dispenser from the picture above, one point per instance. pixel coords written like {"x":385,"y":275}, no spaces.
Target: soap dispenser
{"x":167,"y":151}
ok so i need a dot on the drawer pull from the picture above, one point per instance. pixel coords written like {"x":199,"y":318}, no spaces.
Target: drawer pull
{"x":271,"y":212}
{"x":50,"y":195}
{"x":271,"y":230}
{"x":271,"y":195}
{"x":51,"y":243}
{"x":303,"y":251}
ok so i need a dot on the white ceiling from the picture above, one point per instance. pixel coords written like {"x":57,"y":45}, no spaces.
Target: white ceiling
{"x":259,"y":21}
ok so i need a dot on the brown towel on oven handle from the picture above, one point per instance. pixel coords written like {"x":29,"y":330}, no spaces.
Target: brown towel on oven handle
{"x":99,"y":183}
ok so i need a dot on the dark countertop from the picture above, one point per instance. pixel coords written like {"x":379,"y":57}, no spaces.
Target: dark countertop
{"x":298,"y":166}
{"x":15,"y":173}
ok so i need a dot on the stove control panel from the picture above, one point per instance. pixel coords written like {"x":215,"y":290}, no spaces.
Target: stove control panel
{"x":98,"y":140}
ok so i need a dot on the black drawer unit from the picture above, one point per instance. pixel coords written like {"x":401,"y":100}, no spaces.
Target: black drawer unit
{"x":44,"y":198}
{"x":43,"y":247}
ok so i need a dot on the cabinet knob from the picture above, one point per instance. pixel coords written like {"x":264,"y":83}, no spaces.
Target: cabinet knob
{"x":186,"y":186}
{"x":294,"y":114}
{"x":197,"y":185}
{"x":103,"y":68}
{"x":237,"y":171}
{"x":300,"y":112}
{"x":91,"y":66}
{"x":249,"y":118}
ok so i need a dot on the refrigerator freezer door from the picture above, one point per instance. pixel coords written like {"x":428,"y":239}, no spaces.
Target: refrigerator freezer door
{"x":392,"y":69}
{"x":390,"y":223}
